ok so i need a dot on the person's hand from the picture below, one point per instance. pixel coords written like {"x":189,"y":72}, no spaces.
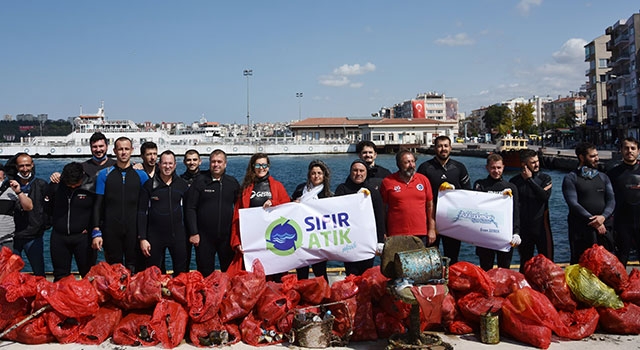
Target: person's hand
{"x":515,"y":240}
{"x":96,"y":243}
{"x":238,"y":248}
{"x":596,"y":221}
{"x":526,"y":173}
{"x":601,"y":229}
{"x":145,"y":246}
{"x":267,"y":204}
{"x":137,"y":166}
{"x":365,"y":191}
{"x":431,"y":237}
{"x":55,"y":178}
{"x":195,"y":240}
{"x":446,"y":186}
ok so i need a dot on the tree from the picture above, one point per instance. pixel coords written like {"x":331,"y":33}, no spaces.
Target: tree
{"x":506,"y":125}
{"x":567,"y":119}
{"x":494,"y":116}
{"x":523,"y":117}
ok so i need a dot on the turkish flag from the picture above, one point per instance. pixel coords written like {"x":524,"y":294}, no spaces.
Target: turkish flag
{"x":418,"y":109}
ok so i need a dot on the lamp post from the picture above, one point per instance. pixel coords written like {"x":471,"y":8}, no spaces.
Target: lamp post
{"x":247,"y":73}
{"x":299,"y":96}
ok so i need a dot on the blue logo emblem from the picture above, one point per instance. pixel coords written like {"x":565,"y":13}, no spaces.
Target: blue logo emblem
{"x":420,"y":187}
{"x":475,"y":217}
{"x":283,"y":237}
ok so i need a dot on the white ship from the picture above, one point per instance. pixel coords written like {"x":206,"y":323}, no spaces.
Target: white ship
{"x":204,"y":138}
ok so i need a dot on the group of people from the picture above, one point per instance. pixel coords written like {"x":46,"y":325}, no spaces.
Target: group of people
{"x":138,"y":212}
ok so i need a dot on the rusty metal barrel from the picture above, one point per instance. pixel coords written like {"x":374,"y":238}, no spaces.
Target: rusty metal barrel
{"x":423,"y":266}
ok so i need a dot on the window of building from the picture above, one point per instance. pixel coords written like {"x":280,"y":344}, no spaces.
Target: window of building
{"x":303,"y":136}
{"x":317,"y":136}
{"x":378,"y":137}
{"x":603,"y":63}
{"x":390,"y":136}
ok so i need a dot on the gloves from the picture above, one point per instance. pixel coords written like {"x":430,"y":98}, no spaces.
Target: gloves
{"x":446,"y":186}
{"x":508,"y":192}
{"x":365,"y":191}
{"x":379,"y":248}
{"x":515,"y":240}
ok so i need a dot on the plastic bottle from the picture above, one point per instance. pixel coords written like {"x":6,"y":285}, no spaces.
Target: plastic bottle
{"x":327,"y":315}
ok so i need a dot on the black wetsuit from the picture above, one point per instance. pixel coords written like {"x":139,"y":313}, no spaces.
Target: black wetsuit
{"x":587,"y":197}
{"x":160,"y":221}
{"x":92,"y":168}
{"x":189,"y":177}
{"x":349,"y":187}
{"x":625,"y":180}
{"x":30,"y":225}
{"x":70,"y":210}
{"x":209,"y":213}
{"x":116,"y":212}
{"x":535,"y":228}
{"x":486,"y":255}
{"x":456,"y":174}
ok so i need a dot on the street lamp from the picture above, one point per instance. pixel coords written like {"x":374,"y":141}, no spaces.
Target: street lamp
{"x":247,"y":73}
{"x":299,"y":96}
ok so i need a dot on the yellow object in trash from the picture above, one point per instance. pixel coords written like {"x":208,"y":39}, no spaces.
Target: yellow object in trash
{"x":588,"y":288}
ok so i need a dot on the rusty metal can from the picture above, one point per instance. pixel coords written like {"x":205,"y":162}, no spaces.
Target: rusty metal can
{"x":490,"y":329}
{"x":422,"y":265}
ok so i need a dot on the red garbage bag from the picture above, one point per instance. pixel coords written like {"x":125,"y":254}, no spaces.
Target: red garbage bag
{"x":580,"y":323}
{"x":20,"y":285}
{"x":466,"y":277}
{"x":524,"y":329}
{"x":625,"y":320}
{"x":631,"y":293}
{"x":10,"y":310}
{"x":32,"y":332}
{"x":344,"y":314}
{"x":606,"y":266}
{"x":386,"y":324}
{"x":251,"y":331}
{"x":213,"y":333}
{"x":70,"y":297}
{"x":205,"y":304}
{"x":243,"y":293}
{"x":111,"y":281}
{"x":344,"y":289}
{"x":272,"y":305}
{"x":313,"y":290}
{"x":548,"y":278}
{"x":452,"y":319}
{"x":394,"y":307}
{"x":364,"y":327}
{"x":474,"y":305}
{"x":101,"y":326}
{"x":181,"y":286}
{"x":144,"y":290}
{"x":169,"y":323}
{"x":65,"y":329}
{"x":506,"y":281}
{"x":9,"y":262}
{"x":377,"y":282}
{"x":134,"y":330}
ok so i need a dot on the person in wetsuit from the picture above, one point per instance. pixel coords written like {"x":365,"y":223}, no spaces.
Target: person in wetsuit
{"x":625,"y":179}
{"x":192,"y":163}
{"x":534,"y":191}
{"x":357,"y":181}
{"x":494,"y":183}
{"x":317,"y":186}
{"x":366,"y":151}
{"x":70,"y":206}
{"x":116,"y":209}
{"x":441,"y":168}
{"x":209,"y":213}
{"x":589,"y":195}
{"x":160,"y":216}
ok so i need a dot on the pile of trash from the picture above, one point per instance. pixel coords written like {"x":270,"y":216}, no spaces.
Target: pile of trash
{"x":150,"y":308}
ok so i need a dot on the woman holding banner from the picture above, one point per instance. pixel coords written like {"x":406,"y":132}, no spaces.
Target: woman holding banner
{"x":356,"y":182}
{"x":317,"y":186}
{"x":259,"y":189}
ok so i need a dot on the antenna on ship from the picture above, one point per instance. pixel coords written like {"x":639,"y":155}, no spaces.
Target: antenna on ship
{"x":80,"y":109}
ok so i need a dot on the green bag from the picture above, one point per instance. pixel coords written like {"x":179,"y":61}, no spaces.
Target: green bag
{"x":589,"y":289}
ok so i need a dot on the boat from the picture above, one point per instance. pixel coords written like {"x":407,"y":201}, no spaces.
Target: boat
{"x":201,"y":136}
{"x":509,"y":148}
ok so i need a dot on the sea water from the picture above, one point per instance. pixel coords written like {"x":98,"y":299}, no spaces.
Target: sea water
{"x":291,"y":171}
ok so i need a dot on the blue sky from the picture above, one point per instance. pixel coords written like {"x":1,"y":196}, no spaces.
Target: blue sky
{"x":177,"y":60}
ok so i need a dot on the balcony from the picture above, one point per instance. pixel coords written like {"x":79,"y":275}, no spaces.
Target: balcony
{"x":623,"y":38}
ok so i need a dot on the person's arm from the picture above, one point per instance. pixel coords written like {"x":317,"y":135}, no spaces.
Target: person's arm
{"x":543,"y":191}
{"x":465,"y":180}
{"x":25,"y":202}
{"x":142,"y":222}
{"x":571,"y":196}
{"x":36,"y":215}
{"x":609,"y":198}
{"x":431,"y":223}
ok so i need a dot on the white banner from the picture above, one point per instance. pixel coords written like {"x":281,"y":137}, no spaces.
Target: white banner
{"x":479,"y":218}
{"x":293,"y":235}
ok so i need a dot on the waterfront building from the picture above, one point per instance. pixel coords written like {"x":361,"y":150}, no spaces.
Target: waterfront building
{"x":555,"y":109}
{"x":623,"y":94}
{"x":598,"y":57}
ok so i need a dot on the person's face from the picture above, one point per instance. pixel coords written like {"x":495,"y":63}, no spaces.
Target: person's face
{"x":495,"y":169}
{"x":192,"y":162}
{"x":443,"y":150}
{"x":533,"y":164}
{"x":629,"y":152}
{"x":150,"y":157}
{"x":407,"y":165}
{"x":122,"y":149}
{"x":316,"y":176}
{"x":591,"y":159}
{"x":167,"y":164}
{"x":358,"y":173}
{"x":99,"y":149}
{"x":24,"y":164}
{"x":1,"y":176}
{"x":368,"y":155}
{"x":217,"y":165}
{"x":261,"y":167}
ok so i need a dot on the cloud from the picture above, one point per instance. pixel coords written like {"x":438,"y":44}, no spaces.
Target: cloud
{"x":459,"y":39}
{"x":524,"y":6}
{"x":572,"y":51}
{"x":355,"y":69}
{"x":483,"y":92}
{"x":332,"y":80}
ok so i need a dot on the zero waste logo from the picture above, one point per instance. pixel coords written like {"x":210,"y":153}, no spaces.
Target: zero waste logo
{"x":283,"y":237}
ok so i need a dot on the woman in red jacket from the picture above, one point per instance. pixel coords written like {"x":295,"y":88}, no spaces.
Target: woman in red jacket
{"x":259,"y":189}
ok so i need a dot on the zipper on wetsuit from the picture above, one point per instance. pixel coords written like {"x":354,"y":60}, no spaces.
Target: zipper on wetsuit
{"x":219,"y":206}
